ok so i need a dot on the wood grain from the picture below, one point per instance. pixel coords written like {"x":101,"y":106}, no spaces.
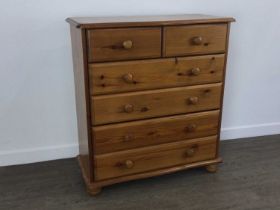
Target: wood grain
{"x":110,"y":44}
{"x":82,"y":99}
{"x":149,"y":94}
{"x":154,"y":157}
{"x":133,"y":21}
{"x":123,"y":136}
{"x":223,"y":89}
{"x":97,"y":185}
{"x":108,"y":78}
{"x":154,"y":103}
{"x":180,"y":40}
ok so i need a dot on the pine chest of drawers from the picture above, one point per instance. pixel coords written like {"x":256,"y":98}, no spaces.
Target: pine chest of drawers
{"x":149,"y":94}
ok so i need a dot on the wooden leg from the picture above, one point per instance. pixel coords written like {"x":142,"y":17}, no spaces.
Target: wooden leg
{"x":94,"y":190}
{"x":212,"y":168}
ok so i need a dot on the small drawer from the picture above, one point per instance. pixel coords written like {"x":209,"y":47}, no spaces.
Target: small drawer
{"x":190,"y":40}
{"x":123,"y":44}
{"x":155,"y":157}
{"x":127,"y":76}
{"x":123,"y":136}
{"x":154,"y":103}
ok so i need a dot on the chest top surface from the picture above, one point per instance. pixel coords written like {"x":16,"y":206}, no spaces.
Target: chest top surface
{"x":128,"y":21}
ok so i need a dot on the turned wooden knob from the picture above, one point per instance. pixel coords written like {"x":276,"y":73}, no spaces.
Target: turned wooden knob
{"x":195,"y":71}
{"x":193,"y":100}
{"x":128,"y":78}
{"x":197,"y":40}
{"x":128,"y":138}
{"x":190,"y":152}
{"x":128,"y":108}
{"x":129,"y":164}
{"x":127,"y":44}
{"x":191,"y":127}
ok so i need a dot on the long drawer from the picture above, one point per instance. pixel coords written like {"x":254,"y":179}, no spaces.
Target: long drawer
{"x":154,"y":103}
{"x":198,"y":39}
{"x":123,"y":44}
{"x":123,"y":136}
{"x":155,"y":157}
{"x":127,"y":76}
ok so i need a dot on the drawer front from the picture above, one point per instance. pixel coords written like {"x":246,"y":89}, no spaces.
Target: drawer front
{"x":123,"y":44}
{"x":151,"y":74}
{"x":189,"y":40}
{"x":123,"y":136}
{"x":154,"y":103}
{"x":155,"y":157}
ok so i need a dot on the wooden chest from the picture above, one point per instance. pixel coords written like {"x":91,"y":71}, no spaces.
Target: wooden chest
{"x":149,"y":94}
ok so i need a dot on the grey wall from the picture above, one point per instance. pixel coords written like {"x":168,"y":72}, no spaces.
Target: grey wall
{"x":37,"y":106}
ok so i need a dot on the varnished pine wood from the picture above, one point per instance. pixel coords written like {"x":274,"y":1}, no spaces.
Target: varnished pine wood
{"x":154,"y":103}
{"x":92,"y":189}
{"x":116,"y":77}
{"x":180,"y":40}
{"x":223,"y":89}
{"x":102,"y":183}
{"x":82,"y":99}
{"x":129,"y":124}
{"x":110,"y":44}
{"x":154,"y":157}
{"x":133,"y":21}
{"x":123,"y":136}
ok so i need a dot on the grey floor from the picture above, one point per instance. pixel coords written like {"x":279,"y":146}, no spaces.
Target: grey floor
{"x":249,"y":178}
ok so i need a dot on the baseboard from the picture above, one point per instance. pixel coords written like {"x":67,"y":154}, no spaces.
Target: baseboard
{"x":32,"y":155}
{"x":250,"y":131}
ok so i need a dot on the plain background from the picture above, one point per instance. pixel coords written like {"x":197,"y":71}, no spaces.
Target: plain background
{"x":37,"y":106}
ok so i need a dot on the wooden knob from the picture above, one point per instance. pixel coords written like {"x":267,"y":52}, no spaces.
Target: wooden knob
{"x":128,"y":138}
{"x":195,"y":71}
{"x":197,"y":40}
{"x":193,"y":100}
{"x":128,"y":78}
{"x":128,"y":108}
{"x":190,"y":152}
{"x":127,"y":44}
{"x":129,"y":164}
{"x":191,"y":127}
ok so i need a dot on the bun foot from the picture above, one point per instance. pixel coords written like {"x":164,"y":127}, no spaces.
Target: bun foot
{"x":212,"y":168}
{"x":94,"y":190}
